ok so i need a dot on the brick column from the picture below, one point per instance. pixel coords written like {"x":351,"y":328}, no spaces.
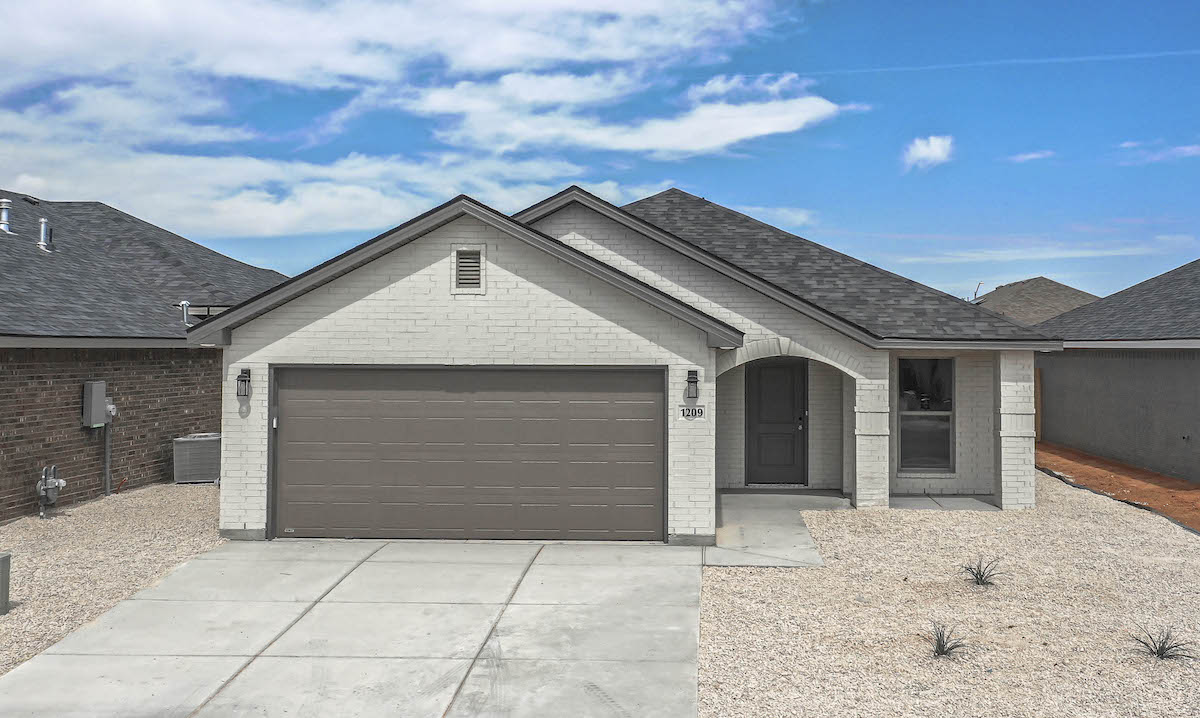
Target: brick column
{"x":872,"y":411}
{"x":1014,"y":485}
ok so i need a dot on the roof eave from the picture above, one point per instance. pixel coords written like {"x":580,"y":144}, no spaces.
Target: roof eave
{"x":1131,"y":343}
{"x":38,"y":341}
{"x":575,"y":194}
{"x":216,"y":331}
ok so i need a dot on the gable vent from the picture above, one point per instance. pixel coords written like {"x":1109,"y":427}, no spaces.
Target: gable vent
{"x":468,"y":269}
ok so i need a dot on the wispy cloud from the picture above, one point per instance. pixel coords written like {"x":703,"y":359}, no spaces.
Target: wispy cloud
{"x":925,"y":152}
{"x":1011,"y":61}
{"x":786,"y":217}
{"x":1021,"y":254}
{"x":1175,"y":239}
{"x":1141,"y":153}
{"x":1031,"y":156}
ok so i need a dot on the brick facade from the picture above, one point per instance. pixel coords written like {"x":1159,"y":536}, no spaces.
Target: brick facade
{"x":160,"y":394}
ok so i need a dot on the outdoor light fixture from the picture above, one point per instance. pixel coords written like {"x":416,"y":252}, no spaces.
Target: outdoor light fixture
{"x":693,"y":387}
{"x":243,"y":383}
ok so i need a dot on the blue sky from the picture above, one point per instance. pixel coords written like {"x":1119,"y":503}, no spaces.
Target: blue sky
{"x":954,"y":143}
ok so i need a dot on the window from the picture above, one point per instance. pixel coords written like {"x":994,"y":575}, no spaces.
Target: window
{"x":468,"y":268}
{"x":926,"y":409}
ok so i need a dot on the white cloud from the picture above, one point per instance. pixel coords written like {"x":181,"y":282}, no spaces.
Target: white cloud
{"x":1129,"y":145}
{"x":1176,"y":239}
{"x":135,"y":103}
{"x":785,"y":217}
{"x":768,"y":85}
{"x":1031,"y":156}
{"x":1019,"y":254}
{"x":926,"y":152}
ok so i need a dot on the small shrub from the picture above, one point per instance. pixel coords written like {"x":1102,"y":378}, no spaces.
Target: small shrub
{"x":983,"y":573}
{"x":1162,"y":643}
{"x":943,"y":641}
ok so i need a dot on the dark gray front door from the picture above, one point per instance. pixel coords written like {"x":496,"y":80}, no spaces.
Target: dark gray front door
{"x":776,"y":421}
{"x":470,"y":453}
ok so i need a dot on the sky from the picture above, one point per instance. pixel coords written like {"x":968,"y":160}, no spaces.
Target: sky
{"x":961,"y":144}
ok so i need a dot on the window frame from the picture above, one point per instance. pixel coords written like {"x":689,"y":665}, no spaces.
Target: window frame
{"x":901,"y":469}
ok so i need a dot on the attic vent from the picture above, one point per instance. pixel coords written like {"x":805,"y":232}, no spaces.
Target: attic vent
{"x":468,"y":270}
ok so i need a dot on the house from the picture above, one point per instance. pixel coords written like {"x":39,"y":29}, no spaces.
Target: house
{"x":1127,"y":385}
{"x":585,"y":371}
{"x":1032,"y":301}
{"x":87,"y":293}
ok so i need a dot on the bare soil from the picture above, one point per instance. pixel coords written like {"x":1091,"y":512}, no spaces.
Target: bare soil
{"x":1167,"y":495}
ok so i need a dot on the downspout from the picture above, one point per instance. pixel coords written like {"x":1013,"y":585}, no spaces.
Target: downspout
{"x":108,"y":457}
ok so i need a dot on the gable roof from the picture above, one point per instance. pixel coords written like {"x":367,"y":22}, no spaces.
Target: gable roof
{"x":111,"y":275}
{"x":869,"y":304}
{"x":216,"y":330}
{"x":1161,"y":308}
{"x":1031,"y":301}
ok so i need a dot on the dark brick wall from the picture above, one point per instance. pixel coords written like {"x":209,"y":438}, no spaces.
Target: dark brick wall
{"x":160,"y":394}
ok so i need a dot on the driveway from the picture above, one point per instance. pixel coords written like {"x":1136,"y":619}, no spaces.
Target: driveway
{"x":367,"y":628}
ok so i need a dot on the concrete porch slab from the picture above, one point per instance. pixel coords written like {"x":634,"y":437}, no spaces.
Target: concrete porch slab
{"x":396,"y":582}
{"x":964,"y":503}
{"x":764,"y":529}
{"x":85,"y":686}
{"x":346,"y":687}
{"x":581,"y":689}
{"x":389,"y":630}
{"x":558,"y":632}
{"x":639,"y":585}
{"x":913,"y":503}
{"x":189,"y":628}
{"x":242,"y":580}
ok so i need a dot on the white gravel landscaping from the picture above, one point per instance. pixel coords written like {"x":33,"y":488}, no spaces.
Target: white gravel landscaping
{"x":69,"y":569}
{"x":1052,"y":638}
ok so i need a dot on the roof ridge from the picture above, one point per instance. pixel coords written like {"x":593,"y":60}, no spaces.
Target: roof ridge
{"x":912,"y":282}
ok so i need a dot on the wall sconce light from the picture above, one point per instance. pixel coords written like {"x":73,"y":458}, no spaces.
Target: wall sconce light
{"x":243,"y":383}
{"x":693,"y":384}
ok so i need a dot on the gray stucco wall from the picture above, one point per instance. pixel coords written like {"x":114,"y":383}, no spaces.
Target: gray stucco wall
{"x":1141,"y":407}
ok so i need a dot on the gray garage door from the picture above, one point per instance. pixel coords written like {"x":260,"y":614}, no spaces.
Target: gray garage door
{"x":470,"y":453}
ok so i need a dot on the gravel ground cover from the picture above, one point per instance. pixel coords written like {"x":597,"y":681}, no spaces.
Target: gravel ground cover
{"x":1052,"y":638}
{"x":69,"y":569}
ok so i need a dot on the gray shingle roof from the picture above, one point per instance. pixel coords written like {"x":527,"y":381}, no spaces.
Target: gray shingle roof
{"x":1035,"y":300}
{"x":111,"y":274}
{"x":879,"y":302}
{"x":1163,"y":307}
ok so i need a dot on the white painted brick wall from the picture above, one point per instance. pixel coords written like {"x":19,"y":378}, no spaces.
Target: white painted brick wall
{"x":731,"y":428}
{"x":1015,"y":438}
{"x":771,"y":329}
{"x":537,"y":311}
{"x":974,"y":432}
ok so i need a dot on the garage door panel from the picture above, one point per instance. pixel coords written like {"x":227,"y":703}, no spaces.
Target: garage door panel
{"x":469,"y":453}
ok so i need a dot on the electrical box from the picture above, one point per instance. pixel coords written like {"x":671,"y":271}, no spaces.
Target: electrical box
{"x":95,"y":404}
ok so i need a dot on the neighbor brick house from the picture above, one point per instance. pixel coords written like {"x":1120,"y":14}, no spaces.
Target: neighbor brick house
{"x":1127,"y":385}
{"x":580,"y":370}
{"x":88,"y":292}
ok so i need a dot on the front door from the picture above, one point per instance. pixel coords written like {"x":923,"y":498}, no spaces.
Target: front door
{"x":776,"y":418}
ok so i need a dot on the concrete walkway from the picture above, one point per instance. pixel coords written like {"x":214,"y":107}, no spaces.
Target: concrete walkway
{"x":766,"y":529}
{"x":370,"y":628}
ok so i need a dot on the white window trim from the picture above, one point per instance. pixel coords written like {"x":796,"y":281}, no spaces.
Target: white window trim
{"x":482,"y":288}
{"x":925,"y":471}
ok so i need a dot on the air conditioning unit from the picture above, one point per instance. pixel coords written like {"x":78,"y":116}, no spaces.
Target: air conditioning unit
{"x":198,"y":459}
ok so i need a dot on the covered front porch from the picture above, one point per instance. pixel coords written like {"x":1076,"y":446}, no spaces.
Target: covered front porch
{"x":919,"y":430}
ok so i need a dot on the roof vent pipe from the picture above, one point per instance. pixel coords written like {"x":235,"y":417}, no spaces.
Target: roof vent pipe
{"x":45,"y":236}
{"x":183,"y":307}
{"x":5,"y":208}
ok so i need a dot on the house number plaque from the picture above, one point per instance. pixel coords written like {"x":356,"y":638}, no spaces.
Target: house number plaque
{"x":691,"y":413}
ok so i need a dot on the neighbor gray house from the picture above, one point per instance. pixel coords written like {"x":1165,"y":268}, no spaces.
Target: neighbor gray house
{"x":1127,"y":385}
{"x":584,"y":371}
{"x":1032,"y":301}
{"x":90,"y":293}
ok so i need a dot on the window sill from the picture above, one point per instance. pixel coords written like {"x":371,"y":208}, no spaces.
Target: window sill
{"x":927,"y":474}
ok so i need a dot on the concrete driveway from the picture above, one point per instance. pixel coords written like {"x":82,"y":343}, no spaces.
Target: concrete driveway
{"x":370,"y":628}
